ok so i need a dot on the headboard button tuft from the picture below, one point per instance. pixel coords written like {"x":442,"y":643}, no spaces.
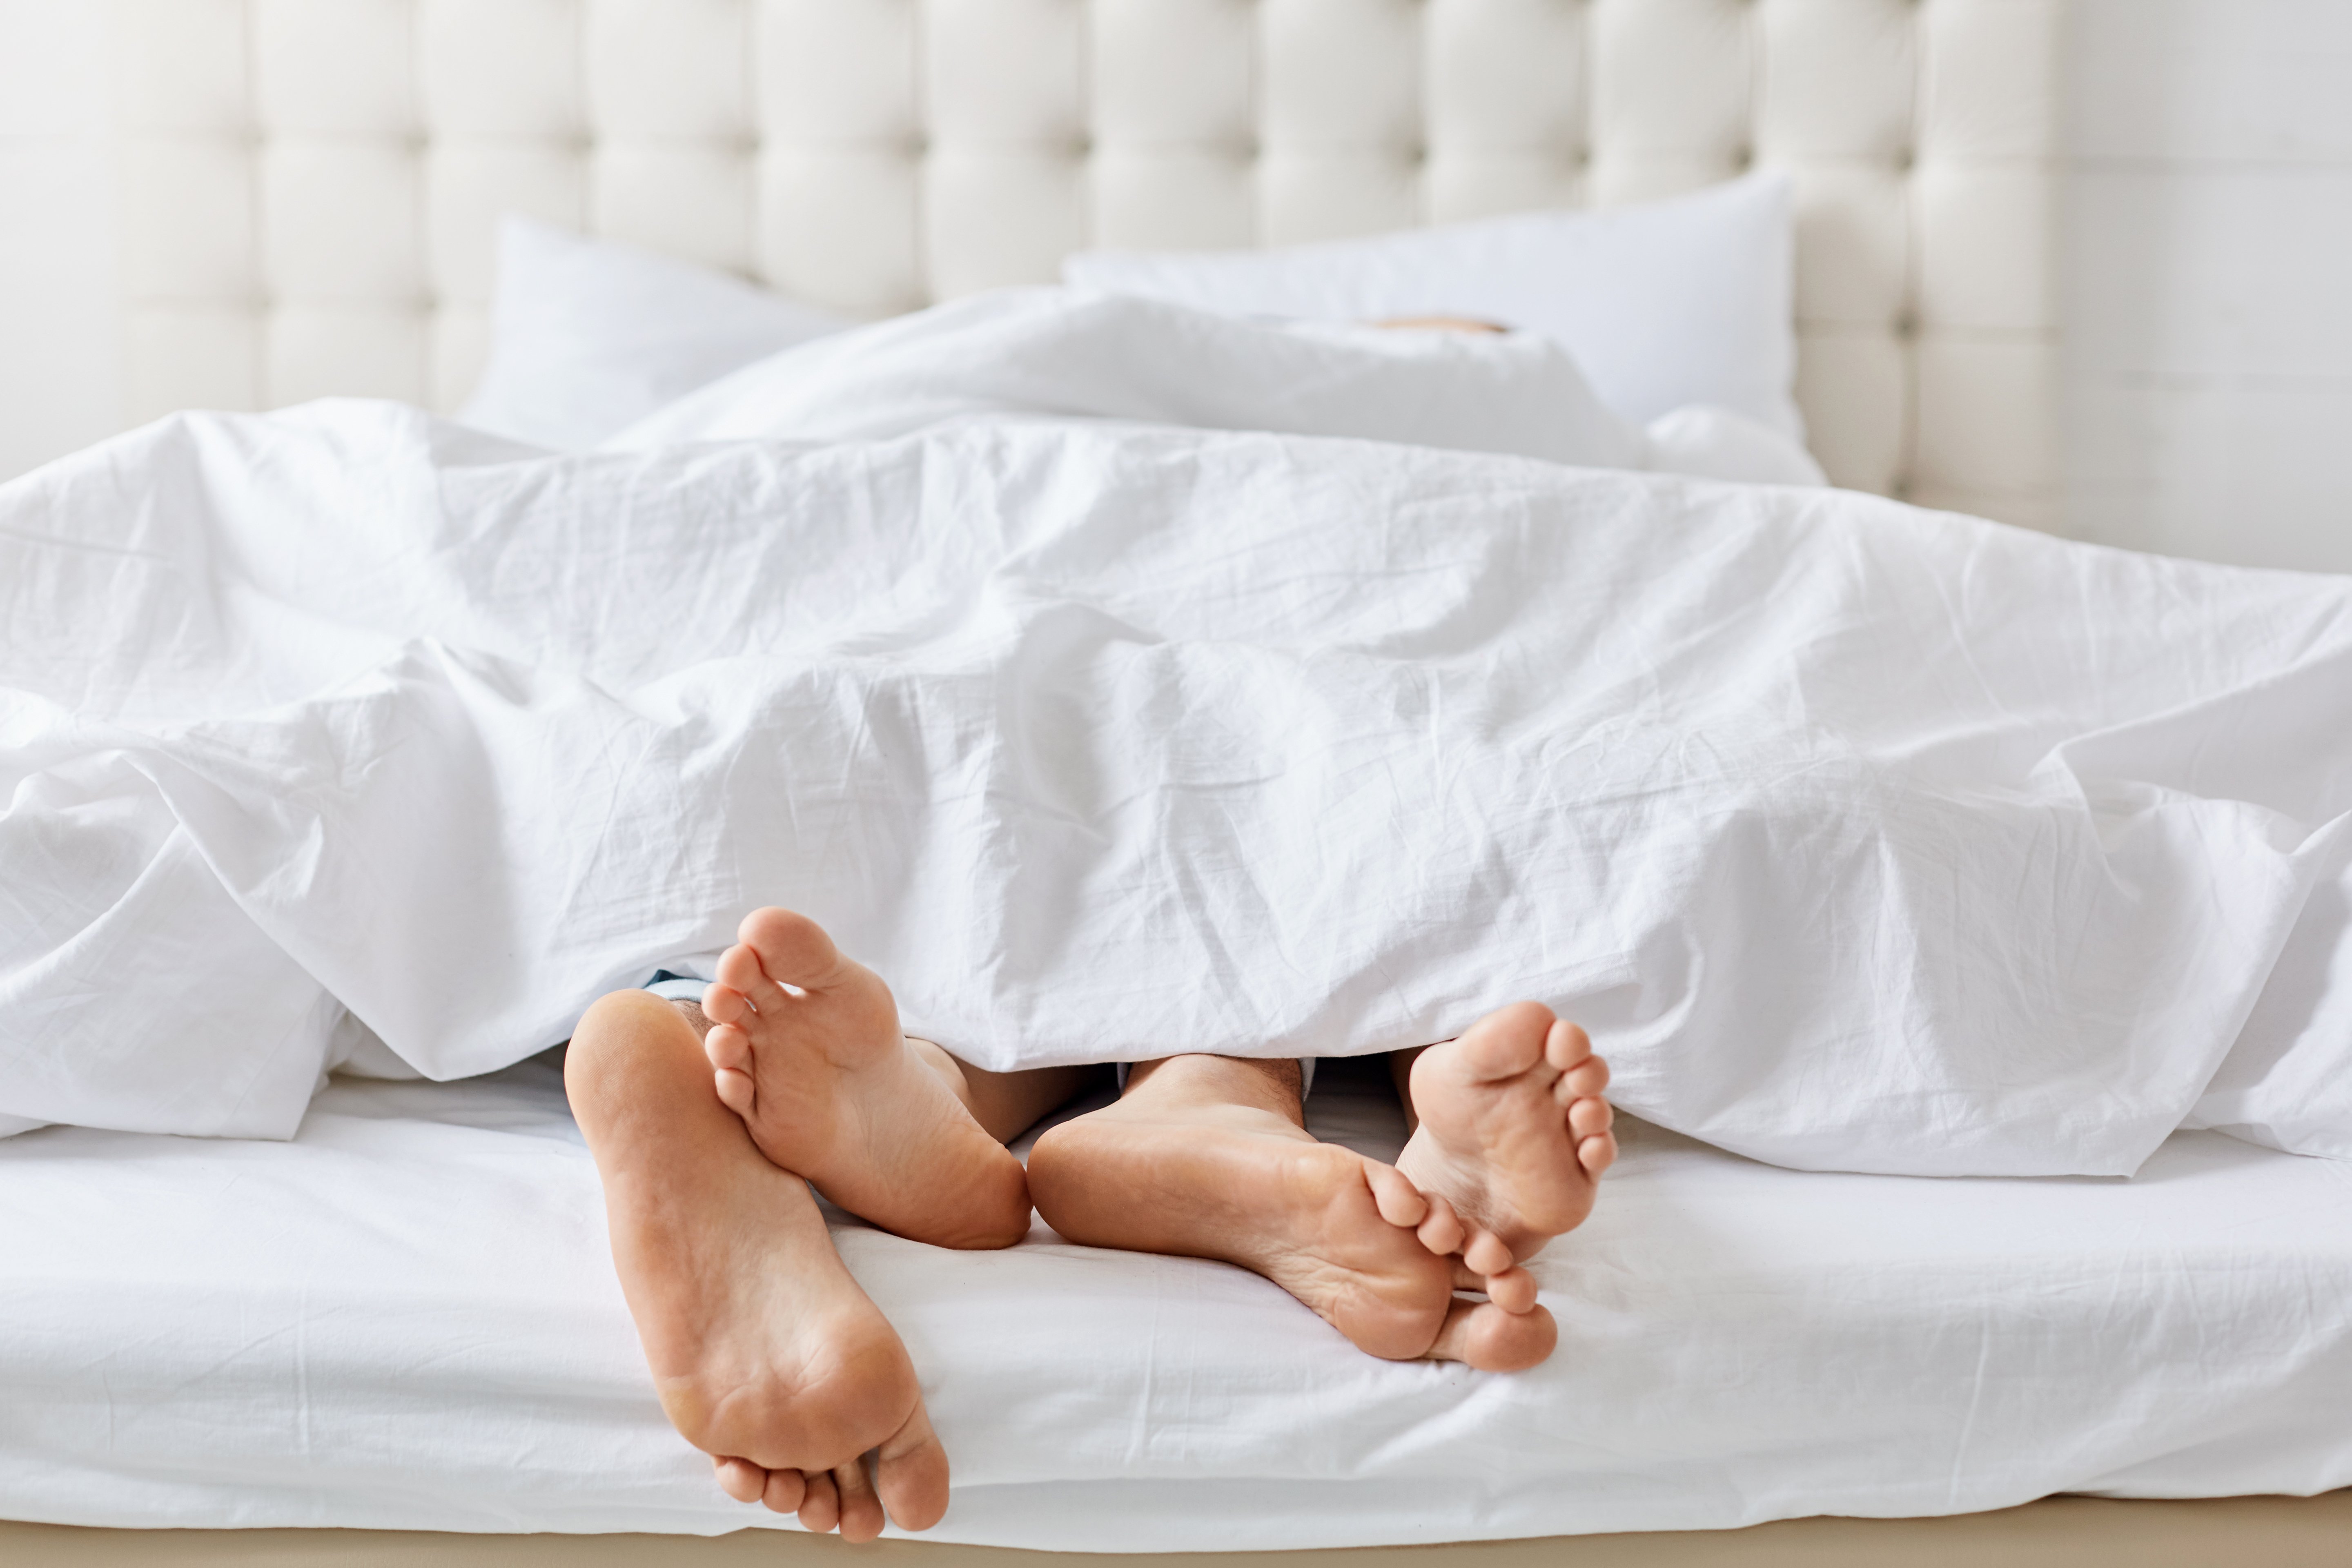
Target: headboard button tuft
{"x":1233,"y":121}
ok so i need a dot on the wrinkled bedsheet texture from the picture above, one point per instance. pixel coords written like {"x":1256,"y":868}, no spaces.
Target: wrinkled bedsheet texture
{"x":1861,"y":838}
{"x":407,"y":1318}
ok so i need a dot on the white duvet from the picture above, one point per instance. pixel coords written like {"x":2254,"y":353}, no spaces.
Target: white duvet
{"x":1862,"y":838}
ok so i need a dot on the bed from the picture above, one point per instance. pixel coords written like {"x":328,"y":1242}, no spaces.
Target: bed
{"x":1775,"y":1342}
{"x":310,"y":194}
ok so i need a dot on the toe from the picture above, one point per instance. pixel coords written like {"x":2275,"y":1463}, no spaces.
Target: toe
{"x":728,"y":1048}
{"x":1567,"y":1046}
{"x":1399,"y":1200}
{"x":740,"y":970}
{"x":740,"y":1478}
{"x":1442,"y":1231}
{"x":912,"y":1473}
{"x":1597,"y":1155}
{"x":785,"y":1492}
{"x":820,"y":1507}
{"x":1506,"y":1043}
{"x":861,"y":1510}
{"x":724,"y":1005}
{"x":1486,"y":1254}
{"x":1483,"y":1335}
{"x":1514,"y":1291}
{"x":1590,"y":1118}
{"x":793,"y":948}
{"x":1585,"y":1080}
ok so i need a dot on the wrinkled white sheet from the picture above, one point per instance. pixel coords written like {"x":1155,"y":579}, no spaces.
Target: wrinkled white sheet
{"x":1862,"y":838}
{"x":1025,"y":351}
{"x":407,"y":1318}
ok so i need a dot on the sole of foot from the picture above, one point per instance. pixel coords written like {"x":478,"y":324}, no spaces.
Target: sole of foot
{"x":1514,"y":1135}
{"x":765,"y":1351}
{"x":1332,"y":1227}
{"x":807,"y":1050}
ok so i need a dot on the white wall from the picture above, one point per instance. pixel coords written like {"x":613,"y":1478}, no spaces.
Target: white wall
{"x":58,"y":360}
{"x":2208,"y":274}
{"x":2208,"y":278}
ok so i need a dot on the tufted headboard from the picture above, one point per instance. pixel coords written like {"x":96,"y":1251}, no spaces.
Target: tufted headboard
{"x":309,"y":187}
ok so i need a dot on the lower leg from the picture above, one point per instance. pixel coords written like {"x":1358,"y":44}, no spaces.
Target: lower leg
{"x":1007,"y":1104}
{"x":1267,"y":1084}
{"x":1400,"y":1074}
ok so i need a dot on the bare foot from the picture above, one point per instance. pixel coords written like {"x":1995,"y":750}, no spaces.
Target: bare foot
{"x":766,"y":1354}
{"x":1178,"y":1166}
{"x":1513,"y":1134}
{"x":808,"y":1052}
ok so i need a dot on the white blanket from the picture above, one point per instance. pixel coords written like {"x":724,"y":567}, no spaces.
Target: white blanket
{"x":1862,"y":838}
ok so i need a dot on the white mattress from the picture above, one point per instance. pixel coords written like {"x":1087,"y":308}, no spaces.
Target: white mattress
{"x":407,"y":1318}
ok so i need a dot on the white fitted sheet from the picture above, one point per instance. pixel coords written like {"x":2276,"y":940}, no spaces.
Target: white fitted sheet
{"x":406,"y":1318}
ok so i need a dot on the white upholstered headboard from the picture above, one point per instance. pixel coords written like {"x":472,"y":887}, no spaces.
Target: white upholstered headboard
{"x":309,"y":187}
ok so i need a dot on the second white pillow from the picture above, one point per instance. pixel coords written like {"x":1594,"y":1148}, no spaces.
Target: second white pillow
{"x":587,"y":336}
{"x":1664,"y":305}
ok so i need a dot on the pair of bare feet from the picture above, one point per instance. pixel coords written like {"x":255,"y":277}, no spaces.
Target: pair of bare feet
{"x":769,"y":1356}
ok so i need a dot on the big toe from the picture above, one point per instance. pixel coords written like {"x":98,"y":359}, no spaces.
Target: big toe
{"x":786,"y":959}
{"x":739,"y":1478}
{"x":911,"y":1474}
{"x":1484,"y":1335}
{"x":793,"y":948}
{"x":1506,"y":1043}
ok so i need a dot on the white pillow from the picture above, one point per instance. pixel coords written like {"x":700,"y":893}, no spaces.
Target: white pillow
{"x":587,"y":336}
{"x":1064,"y":354}
{"x":1716,"y":444}
{"x":1664,"y":305}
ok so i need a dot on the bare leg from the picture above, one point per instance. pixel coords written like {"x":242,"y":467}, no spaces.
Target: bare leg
{"x":1007,"y":1104}
{"x":1207,"y":1157}
{"x":1399,"y":1074}
{"x":1510,"y":1136}
{"x":766,"y":1354}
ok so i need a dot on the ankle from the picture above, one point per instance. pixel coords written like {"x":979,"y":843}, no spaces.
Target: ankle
{"x":994,"y":1211}
{"x":949,"y":1071}
{"x":1195,"y":1082}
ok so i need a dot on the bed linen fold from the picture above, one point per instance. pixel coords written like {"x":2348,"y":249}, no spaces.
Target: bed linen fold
{"x":1862,"y":838}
